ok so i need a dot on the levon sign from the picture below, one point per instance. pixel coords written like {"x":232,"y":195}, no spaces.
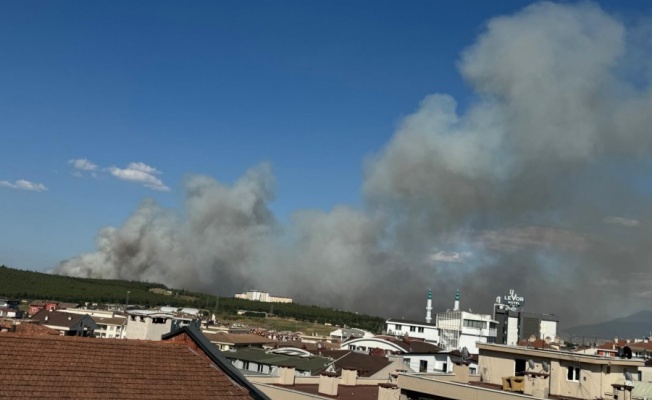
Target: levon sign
{"x":513,"y":300}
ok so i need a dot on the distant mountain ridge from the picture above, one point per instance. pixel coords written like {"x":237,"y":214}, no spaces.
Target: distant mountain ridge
{"x":637,"y":325}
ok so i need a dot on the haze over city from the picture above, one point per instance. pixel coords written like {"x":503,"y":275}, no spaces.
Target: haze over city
{"x":347,"y":154}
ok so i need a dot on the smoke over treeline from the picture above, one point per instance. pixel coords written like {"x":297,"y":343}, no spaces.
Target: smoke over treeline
{"x":539,"y":185}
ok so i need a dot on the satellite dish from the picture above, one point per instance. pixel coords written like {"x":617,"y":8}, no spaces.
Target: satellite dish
{"x":530,"y":363}
{"x":627,"y":352}
{"x":465,"y":353}
{"x":546,"y":366}
{"x":628,"y":377}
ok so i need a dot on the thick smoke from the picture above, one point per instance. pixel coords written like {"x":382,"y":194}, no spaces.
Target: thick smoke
{"x":535,"y":186}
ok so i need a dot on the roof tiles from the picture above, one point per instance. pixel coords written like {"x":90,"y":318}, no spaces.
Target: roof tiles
{"x":58,"y":367}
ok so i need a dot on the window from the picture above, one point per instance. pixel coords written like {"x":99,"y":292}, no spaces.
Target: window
{"x":473,"y":371}
{"x":492,"y":325}
{"x":399,"y":327}
{"x":420,"y":329}
{"x":406,"y":361}
{"x":470,"y":323}
{"x":573,"y":374}
{"x":423,"y":366}
{"x":245,"y":365}
{"x":519,"y":366}
{"x":260,"y":368}
{"x":413,"y":329}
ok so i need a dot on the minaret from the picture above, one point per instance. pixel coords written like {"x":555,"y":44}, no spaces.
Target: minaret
{"x":457,"y":301}
{"x":429,"y":307}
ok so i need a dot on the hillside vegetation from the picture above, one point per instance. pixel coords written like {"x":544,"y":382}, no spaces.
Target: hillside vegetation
{"x":30,"y":285}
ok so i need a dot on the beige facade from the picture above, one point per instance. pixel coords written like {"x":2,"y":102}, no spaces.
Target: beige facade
{"x":570,"y":374}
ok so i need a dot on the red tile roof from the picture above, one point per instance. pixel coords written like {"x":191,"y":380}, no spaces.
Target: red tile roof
{"x":57,"y":367}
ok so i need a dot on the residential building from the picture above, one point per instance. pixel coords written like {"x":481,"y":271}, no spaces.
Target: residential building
{"x":10,"y":303}
{"x":10,"y":312}
{"x":511,"y":372}
{"x":112,"y":328}
{"x":257,"y":295}
{"x":183,"y":366}
{"x":559,"y":373}
{"x":68,"y":324}
{"x":414,"y":329}
{"x":110,"y":323}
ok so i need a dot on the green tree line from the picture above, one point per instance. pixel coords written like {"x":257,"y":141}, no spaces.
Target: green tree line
{"x":30,"y":285}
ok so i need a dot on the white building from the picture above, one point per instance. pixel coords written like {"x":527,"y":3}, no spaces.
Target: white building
{"x":459,"y":329}
{"x":413,"y":329}
{"x":257,"y":295}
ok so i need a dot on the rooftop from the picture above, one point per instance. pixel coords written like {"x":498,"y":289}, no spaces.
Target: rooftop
{"x":313,"y":364}
{"x":58,"y":367}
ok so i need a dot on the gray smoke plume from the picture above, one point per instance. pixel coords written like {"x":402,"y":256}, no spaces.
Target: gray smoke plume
{"x":535,"y":186}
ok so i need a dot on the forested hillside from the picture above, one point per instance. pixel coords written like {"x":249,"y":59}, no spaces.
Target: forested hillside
{"x":30,"y":285}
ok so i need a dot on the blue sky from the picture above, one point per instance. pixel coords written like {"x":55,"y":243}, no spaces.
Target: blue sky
{"x":214,"y":88}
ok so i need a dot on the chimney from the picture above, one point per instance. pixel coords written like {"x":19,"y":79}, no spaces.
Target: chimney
{"x":456,"y":307}
{"x":461,"y":372}
{"x":286,"y":375}
{"x":349,"y":376}
{"x":328,"y":383}
{"x":388,"y":391}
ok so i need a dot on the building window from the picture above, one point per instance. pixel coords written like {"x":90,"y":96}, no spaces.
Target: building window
{"x":406,"y":361}
{"x":260,"y":368}
{"x":420,"y":329}
{"x":245,"y":365}
{"x":470,"y":323}
{"x":413,"y":329}
{"x":492,"y":325}
{"x":473,"y":371}
{"x":399,"y":327}
{"x":573,"y":374}
{"x":423,"y":366}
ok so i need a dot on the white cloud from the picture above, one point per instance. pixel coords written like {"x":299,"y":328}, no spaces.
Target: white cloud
{"x":83,"y":164}
{"x":140,"y":173}
{"x":449,"y":256}
{"x":622,"y":221}
{"x":22,"y":184}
